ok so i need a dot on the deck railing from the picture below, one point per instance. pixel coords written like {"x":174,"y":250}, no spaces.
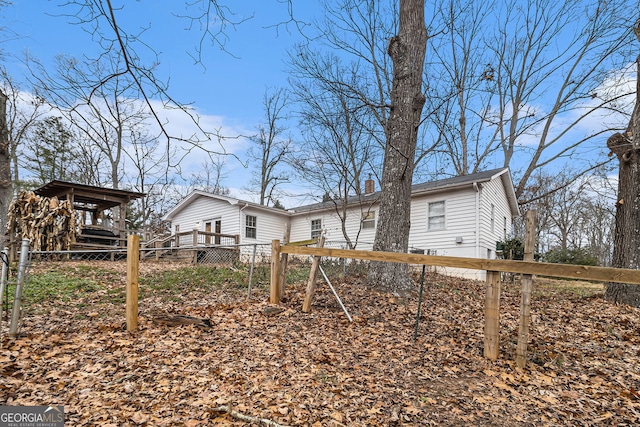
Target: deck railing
{"x":189,"y":239}
{"x":194,"y":238}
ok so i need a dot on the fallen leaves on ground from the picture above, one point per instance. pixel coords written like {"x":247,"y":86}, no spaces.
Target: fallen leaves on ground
{"x":318,"y":369}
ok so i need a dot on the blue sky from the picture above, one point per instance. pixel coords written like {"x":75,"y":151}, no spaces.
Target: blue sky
{"x":226,"y":88}
{"x":226,"y":83}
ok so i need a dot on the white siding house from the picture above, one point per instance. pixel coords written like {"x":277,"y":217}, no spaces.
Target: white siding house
{"x":463,"y":216}
{"x":252,"y":223}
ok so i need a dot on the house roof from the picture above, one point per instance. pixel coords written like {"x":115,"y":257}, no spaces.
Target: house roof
{"x":101,"y":198}
{"x":231,"y":200}
{"x":418,"y":189}
{"x":433,"y":187}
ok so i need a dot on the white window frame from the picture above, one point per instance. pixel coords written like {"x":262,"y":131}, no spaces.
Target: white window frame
{"x":316,"y":227}
{"x":250,"y":227}
{"x":369,"y":220}
{"x":430,"y":216}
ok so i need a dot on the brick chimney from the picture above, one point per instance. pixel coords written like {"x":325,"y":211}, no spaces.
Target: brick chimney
{"x":369,"y":186}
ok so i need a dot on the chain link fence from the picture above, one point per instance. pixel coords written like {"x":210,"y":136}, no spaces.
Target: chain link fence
{"x":94,"y":277}
{"x":249,"y":263}
{"x":255,"y":258}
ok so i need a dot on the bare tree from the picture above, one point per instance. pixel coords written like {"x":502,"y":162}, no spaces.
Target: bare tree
{"x":461,"y":77}
{"x":336,"y":149}
{"x":567,"y":215}
{"x":270,"y":148}
{"x":527,"y":80}
{"x":138,"y":60}
{"x":18,"y":115}
{"x":90,"y":162}
{"x":571,"y":214}
{"x":145,"y":166}
{"x":626,"y":249}
{"x":407,"y":51}
{"x":5,"y":164}
{"x":210,"y":177}
{"x":23,"y":112}
{"x":105,"y":117}
{"x":599,"y":218}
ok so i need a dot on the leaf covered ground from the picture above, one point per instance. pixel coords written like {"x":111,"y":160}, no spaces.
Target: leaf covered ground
{"x":315,"y":369}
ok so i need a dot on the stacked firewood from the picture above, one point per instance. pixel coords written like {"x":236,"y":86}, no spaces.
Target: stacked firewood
{"x":50,"y":224}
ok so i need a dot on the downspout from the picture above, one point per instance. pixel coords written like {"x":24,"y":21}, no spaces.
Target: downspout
{"x":475,"y":187}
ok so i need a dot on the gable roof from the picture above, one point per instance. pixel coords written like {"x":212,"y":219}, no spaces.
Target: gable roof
{"x":471,"y":180}
{"x":418,"y":189}
{"x":231,"y":200}
{"x":433,"y":187}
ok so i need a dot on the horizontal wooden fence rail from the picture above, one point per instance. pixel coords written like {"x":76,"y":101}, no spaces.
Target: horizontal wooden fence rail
{"x":584,"y":272}
{"x":492,"y":266}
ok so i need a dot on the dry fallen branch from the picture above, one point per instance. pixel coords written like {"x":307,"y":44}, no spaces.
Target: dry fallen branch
{"x":179,"y":319}
{"x":235,"y":414}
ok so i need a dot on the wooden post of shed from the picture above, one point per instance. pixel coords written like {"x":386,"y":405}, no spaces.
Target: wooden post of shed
{"x":122,"y":223}
{"x":492,"y":316}
{"x":525,"y":300}
{"x":274,"y":296}
{"x":284,"y":259}
{"x":311,"y":284}
{"x":133,"y":259}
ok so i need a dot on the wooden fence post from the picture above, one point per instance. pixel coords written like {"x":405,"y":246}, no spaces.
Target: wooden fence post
{"x":525,"y":300}
{"x":133,"y":259}
{"x":274,"y":297}
{"x":311,"y":284}
{"x":284,"y":259}
{"x":492,"y":316}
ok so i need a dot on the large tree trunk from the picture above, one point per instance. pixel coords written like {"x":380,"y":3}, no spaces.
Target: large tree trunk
{"x":626,"y":245}
{"x":407,"y":51}
{"x":5,"y":169}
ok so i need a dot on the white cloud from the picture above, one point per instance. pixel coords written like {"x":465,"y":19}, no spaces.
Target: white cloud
{"x":196,"y":135}
{"x":619,"y":88}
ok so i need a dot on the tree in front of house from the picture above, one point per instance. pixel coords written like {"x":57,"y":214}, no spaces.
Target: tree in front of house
{"x":407,"y":51}
{"x":626,"y":243}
